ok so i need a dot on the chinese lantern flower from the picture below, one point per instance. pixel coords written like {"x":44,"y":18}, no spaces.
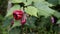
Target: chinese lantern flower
{"x":52,"y":19}
{"x":23,"y":20}
{"x":18,"y":14}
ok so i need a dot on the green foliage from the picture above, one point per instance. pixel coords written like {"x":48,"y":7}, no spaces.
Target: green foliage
{"x":10,"y":11}
{"x":54,"y":2}
{"x":43,"y":9}
{"x":7,"y":21}
{"x":33,"y":12}
{"x":15,"y":30}
{"x":18,"y":1}
{"x":39,"y":19}
{"x":16,"y":23}
{"x":30,"y":22}
{"x":57,"y":14}
{"x":59,"y":1}
{"x":58,"y":22}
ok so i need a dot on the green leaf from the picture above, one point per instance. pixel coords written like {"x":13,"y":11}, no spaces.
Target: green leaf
{"x":31,"y":11}
{"x":7,"y":21}
{"x":38,"y":0}
{"x":10,"y":11}
{"x":58,"y":22}
{"x":57,"y":14}
{"x":59,"y":2}
{"x":15,"y":30}
{"x":18,"y":1}
{"x":1,"y":18}
{"x":29,"y":2}
{"x":31,"y":22}
{"x":43,"y":9}
{"x":43,"y":2}
{"x":16,"y":23}
{"x":54,"y":2}
{"x":47,"y":4}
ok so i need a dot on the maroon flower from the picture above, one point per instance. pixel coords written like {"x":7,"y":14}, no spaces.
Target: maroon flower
{"x":23,"y":20}
{"x":18,"y":14}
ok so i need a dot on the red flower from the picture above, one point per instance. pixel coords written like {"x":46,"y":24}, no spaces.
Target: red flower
{"x":18,"y":14}
{"x":23,"y":21}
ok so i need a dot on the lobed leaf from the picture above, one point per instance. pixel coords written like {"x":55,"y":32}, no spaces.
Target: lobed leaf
{"x":31,"y":11}
{"x":44,"y":10}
